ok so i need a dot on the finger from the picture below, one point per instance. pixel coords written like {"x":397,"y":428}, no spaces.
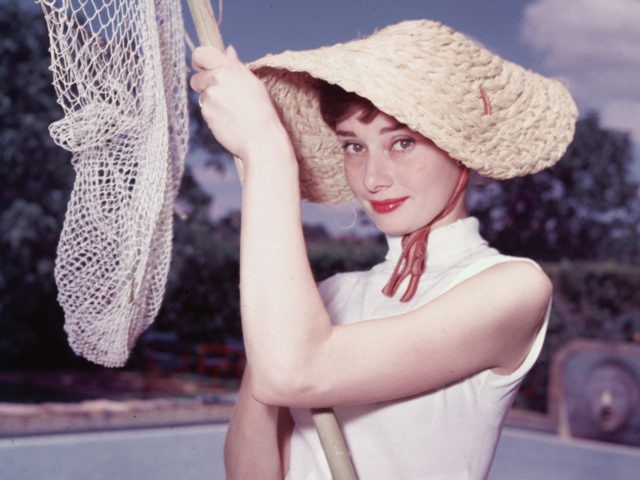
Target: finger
{"x":205,"y":94}
{"x":232,"y":53}
{"x":206,"y":58}
{"x":198,"y":82}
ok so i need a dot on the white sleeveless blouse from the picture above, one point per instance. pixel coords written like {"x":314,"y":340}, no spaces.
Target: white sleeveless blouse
{"x":448,"y":434}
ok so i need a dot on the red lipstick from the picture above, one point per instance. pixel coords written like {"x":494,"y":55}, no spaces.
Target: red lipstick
{"x":387,"y":206}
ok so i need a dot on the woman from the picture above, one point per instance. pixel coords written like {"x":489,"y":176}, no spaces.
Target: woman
{"x":420,"y":359}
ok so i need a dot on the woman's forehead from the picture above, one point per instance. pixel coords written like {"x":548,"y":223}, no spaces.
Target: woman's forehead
{"x":379,"y":121}
{"x":381,"y":124}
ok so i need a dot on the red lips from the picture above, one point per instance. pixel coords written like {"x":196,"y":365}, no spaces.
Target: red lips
{"x":387,"y":206}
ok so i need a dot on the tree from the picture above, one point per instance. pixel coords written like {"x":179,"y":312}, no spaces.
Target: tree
{"x":202,"y":301}
{"x":585,"y":207}
{"x":36,"y":180}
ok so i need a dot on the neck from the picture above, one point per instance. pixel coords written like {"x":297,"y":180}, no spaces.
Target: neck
{"x":412,"y":262}
{"x":457,"y":212}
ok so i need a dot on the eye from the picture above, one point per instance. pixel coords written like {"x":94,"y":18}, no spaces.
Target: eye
{"x":403,"y":144}
{"x":352,"y":148}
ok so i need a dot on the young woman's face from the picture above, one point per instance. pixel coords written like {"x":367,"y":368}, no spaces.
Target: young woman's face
{"x":400,"y":177}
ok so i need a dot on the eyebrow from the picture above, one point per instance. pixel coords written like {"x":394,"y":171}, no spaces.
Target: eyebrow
{"x":390,"y":128}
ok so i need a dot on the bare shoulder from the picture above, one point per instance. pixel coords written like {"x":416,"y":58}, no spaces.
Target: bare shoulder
{"x":507,"y":284}
{"x":522,"y":281}
{"x":519,"y":293}
{"x":506,"y":295}
{"x":520,"y":268}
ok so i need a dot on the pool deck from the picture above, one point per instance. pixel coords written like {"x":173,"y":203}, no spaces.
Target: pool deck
{"x":182,"y":439}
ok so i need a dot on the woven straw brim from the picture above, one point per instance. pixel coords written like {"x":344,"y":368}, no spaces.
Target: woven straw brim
{"x":490,"y":114}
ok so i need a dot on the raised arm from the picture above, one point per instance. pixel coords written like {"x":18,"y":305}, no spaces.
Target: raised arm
{"x":297,"y":357}
{"x":283,"y":317}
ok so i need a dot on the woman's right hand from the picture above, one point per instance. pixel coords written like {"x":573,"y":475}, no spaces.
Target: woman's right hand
{"x":234,"y":102}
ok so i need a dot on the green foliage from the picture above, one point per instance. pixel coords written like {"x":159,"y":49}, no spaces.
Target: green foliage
{"x":328,"y":257}
{"x":584,"y":208}
{"x":31,"y":167}
{"x":36,"y":178}
{"x":201,"y":303}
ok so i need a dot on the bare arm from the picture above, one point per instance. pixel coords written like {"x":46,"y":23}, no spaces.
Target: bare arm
{"x":257,"y":442}
{"x":298,"y":357}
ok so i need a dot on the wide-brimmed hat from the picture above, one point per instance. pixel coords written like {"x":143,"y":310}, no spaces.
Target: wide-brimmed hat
{"x":492,"y":115}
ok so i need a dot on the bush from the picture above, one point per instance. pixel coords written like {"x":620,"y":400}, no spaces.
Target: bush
{"x":591,"y":300}
{"x":348,"y":254}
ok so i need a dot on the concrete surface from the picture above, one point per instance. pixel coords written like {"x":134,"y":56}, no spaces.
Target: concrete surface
{"x":194,"y":452}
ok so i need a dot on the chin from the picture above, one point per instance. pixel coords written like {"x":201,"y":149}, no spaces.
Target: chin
{"x":397,"y":224}
{"x":393,"y":230}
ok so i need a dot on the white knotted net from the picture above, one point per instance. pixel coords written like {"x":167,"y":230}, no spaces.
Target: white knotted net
{"x":119,"y":73}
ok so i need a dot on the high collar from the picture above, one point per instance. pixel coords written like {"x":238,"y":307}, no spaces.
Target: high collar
{"x":445,"y":245}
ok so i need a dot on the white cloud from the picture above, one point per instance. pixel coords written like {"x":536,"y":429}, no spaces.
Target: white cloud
{"x":593,"y":45}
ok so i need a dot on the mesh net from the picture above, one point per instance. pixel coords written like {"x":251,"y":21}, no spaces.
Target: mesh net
{"x":119,"y":73}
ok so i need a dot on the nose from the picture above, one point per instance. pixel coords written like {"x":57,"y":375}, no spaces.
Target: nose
{"x":376,"y":172}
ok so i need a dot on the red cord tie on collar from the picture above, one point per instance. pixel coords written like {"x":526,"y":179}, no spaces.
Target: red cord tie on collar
{"x":413,"y":259}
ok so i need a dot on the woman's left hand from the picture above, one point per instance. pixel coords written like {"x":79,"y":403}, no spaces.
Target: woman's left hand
{"x":234,"y":102}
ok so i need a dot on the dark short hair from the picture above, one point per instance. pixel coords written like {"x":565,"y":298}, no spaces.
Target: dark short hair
{"x":336,"y":104}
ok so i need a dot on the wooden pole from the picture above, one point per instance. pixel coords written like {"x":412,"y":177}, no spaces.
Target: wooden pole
{"x":333,"y":444}
{"x":205,"y":23}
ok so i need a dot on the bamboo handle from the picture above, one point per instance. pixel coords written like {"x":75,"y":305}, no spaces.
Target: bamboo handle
{"x":205,"y":23}
{"x":333,"y":444}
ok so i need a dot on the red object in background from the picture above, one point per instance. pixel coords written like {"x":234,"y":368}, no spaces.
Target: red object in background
{"x":220,"y":360}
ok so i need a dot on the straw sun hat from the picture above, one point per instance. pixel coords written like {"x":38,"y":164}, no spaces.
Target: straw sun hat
{"x":492,"y":115}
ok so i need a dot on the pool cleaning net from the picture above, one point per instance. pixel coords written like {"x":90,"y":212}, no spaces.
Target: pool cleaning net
{"x":119,"y":74}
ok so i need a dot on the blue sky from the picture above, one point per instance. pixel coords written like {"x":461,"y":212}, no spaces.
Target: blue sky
{"x":257,"y":27}
{"x":591,"y":45}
